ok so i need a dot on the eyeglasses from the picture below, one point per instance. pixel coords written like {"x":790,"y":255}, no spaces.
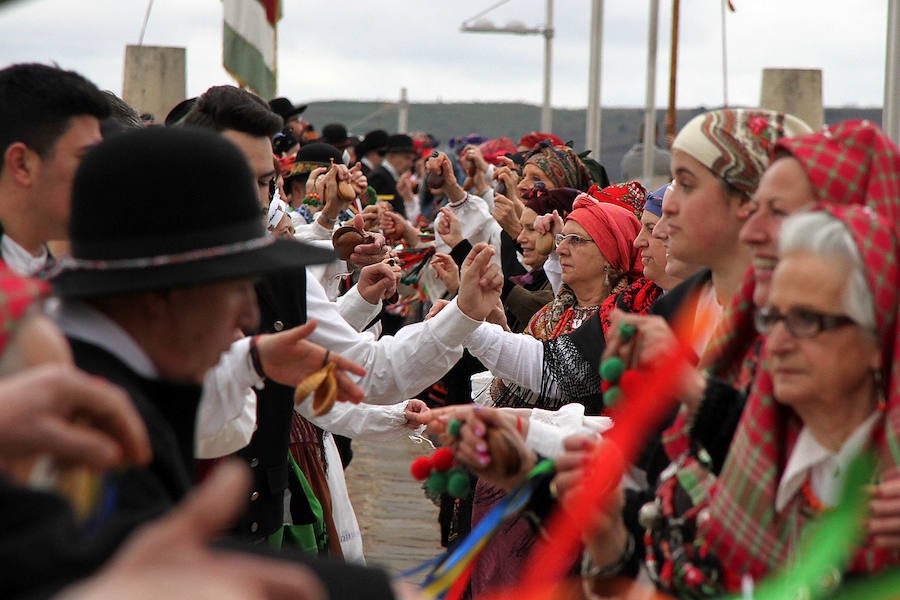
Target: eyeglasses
{"x":573,"y":239}
{"x":800,"y":322}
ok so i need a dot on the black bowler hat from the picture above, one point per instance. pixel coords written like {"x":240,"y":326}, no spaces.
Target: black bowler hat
{"x":192,"y":218}
{"x":374,"y":140}
{"x":336,"y":135}
{"x":285,"y":108}
{"x":312,"y":156}
{"x":399,"y":142}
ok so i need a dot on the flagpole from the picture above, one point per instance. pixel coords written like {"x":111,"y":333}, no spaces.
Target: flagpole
{"x":724,"y":60}
{"x":650,"y":96}
{"x":275,"y":56}
{"x":673,"y":75}
{"x":144,"y":24}
{"x":891,"y":118}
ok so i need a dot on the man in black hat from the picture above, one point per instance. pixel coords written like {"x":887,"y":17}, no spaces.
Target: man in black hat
{"x":336,"y":135}
{"x":150,"y":304}
{"x":48,"y":119}
{"x":392,"y":178}
{"x":370,"y":150}
{"x":290,"y":113}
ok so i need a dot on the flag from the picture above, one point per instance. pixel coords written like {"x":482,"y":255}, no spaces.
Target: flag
{"x":248,"y":43}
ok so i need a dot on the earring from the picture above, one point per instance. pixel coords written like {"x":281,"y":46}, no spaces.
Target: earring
{"x":879,"y":390}
{"x":606,"y":281}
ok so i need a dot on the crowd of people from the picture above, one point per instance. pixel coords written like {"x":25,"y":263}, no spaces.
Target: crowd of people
{"x":199,"y":316}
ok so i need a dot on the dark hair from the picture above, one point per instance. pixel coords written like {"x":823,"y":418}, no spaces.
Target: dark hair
{"x":123,"y":117}
{"x":284,"y":141}
{"x":37,"y":101}
{"x":544,"y":201}
{"x":227,"y":107}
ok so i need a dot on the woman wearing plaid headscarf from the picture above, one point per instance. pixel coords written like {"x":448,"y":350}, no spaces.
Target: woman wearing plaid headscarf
{"x":852,"y":163}
{"x":828,"y":389}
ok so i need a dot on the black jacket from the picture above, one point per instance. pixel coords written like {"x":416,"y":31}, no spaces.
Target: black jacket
{"x":385,"y":185}
{"x":282,"y":305}
{"x":43,"y":547}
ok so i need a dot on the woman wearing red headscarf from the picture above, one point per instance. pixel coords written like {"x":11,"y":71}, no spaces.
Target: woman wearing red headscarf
{"x":600,"y":265}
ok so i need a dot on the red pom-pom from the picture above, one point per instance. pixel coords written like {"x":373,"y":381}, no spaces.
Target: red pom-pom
{"x":694,"y":577}
{"x":421,"y":468}
{"x":442,"y":459}
{"x":631,"y":382}
{"x":604,"y":385}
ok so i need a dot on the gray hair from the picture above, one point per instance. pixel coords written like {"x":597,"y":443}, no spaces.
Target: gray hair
{"x":824,"y":235}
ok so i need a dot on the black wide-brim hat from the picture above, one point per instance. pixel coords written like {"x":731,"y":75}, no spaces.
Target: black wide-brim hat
{"x":285,"y":108}
{"x":192,"y":217}
{"x":399,"y":143}
{"x":374,"y":140}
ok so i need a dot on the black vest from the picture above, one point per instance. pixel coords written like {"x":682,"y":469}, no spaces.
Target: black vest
{"x":282,"y":305}
{"x":43,"y":547}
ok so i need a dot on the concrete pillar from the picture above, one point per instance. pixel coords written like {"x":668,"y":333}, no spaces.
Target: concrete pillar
{"x":154,"y":79}
{"x":794,"y":91}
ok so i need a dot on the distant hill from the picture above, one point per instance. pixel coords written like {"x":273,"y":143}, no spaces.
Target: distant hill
{"x":620,"y":126}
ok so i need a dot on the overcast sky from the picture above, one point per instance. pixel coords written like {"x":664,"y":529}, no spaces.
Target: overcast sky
{"x":367,"y":50}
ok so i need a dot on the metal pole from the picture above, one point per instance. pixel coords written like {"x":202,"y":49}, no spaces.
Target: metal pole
{"x":592,"y":132}
{"x":547,"y":109}
{"x":891,"y":118}
{"x":673,"y":75}
{"x":403,"y":112}
{"x":650,"y":107}
{"x":144,"y":25}
{"x":724,"y":60}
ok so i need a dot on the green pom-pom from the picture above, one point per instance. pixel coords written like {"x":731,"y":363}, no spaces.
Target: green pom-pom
{"x":612,"y":396}
{"x":436,"y":484}
{"x":458,"y":484}
{"x":611,"y":369}
{"x":453,"y":427}
{"x":626,"y":331}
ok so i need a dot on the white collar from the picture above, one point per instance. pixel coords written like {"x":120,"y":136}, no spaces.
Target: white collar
{"x":824,"y":468}
{"x":83,"y":322}
{"x":390,"y":169}
{"x":20,"y":260}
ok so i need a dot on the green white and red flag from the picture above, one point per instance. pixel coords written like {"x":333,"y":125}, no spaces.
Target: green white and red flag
{"x":249,"y":43}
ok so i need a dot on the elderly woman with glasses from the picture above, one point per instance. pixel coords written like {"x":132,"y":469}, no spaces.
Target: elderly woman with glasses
{"x":827,"y":390}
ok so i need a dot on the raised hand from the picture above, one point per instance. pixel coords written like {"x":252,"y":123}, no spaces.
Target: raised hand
{"x":480,"y":283}
{"x":507,"y":213}
{"x":446,"y":270}
{"x":288,"y":358}
{"x":551,"y":223}
{"x":449,"y":227}
{"x":507,"y":178}
{"x":358,"y":180}
{"x":439,"y":163}
{"x":313,"y":178}
{"x":472,"y":162}
{"x":378,"y":282}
